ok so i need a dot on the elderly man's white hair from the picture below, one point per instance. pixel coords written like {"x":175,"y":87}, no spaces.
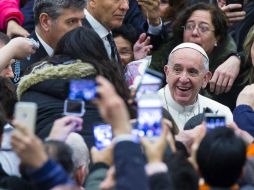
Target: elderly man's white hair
{"x":80,"y":154}
{"x":195,"y":47}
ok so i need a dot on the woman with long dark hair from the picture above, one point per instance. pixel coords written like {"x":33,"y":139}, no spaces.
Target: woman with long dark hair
{"x":80,"y":54}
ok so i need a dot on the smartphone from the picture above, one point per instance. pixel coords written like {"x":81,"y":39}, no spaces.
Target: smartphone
{"x":150,"y":82}
{"x":235,"y":2}
{"x":213,"y":121}
{"x":102,"y":135}
{"x":82,"y":89}
{"x":25,"y":113}
{"x":34,"y":43}
{"x":149,"y":116}
{"x":74,"y":107}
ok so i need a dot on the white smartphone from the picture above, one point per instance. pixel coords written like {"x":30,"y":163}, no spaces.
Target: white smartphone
{"x":25,"y":113}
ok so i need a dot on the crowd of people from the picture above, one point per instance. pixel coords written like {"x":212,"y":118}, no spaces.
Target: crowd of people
{"x":193,"y":131}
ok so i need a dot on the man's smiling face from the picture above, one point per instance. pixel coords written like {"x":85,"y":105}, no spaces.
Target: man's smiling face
{"x":186,"y":75}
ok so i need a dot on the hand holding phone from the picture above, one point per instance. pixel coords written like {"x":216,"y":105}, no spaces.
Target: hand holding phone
{"x":34,"y":43}
{"x":62,"y":127}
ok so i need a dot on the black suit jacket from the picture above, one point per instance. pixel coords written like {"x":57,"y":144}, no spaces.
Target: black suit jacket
{"x":20,"y":67}
{"x":86,"y":24}
{"x":136,"y":18}
{"x":28,"y":13}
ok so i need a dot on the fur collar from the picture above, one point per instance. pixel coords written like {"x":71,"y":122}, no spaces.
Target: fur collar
{"x":46,"y":71}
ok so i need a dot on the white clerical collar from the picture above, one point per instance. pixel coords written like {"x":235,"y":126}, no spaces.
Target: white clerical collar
{"x":171,"y":103}
{"x":96,"y":25}
{"x":48,"y":49}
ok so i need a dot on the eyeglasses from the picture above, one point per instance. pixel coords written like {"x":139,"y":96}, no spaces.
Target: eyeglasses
{"x":189,"y":27}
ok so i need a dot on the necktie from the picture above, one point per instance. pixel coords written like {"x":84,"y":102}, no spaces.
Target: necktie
{"x":114,"y":53}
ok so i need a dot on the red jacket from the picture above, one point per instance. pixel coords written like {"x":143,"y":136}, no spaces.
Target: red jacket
{"x":9,"y":10}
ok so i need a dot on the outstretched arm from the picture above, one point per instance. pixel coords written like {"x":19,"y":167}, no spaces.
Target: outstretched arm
{"x":17,"y":48}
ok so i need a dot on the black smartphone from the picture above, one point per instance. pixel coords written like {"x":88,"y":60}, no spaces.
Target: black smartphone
{"x":149,"y":117}
{"x":150,"y":83}
{"x":102,"y":135}
{"x":213,"y":121}
{"x":235,"y":2}
{"x":82,"y":89}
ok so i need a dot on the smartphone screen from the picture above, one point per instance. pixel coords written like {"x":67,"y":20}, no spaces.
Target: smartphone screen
{"x":213,"y":121}
{"x":74,"y":107}
{"x":25,"y":113}
{"x":150,"y":83}
{"x":102,"y":135}
{"x":149,"y":116}
{"x":82,"y":89}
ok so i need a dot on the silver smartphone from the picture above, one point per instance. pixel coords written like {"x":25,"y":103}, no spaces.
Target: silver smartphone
{"x":74,"y":107}
{"x":25,"y":113}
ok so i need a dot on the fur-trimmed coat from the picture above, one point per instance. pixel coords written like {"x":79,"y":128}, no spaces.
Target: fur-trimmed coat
{"x":47,"y":86}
